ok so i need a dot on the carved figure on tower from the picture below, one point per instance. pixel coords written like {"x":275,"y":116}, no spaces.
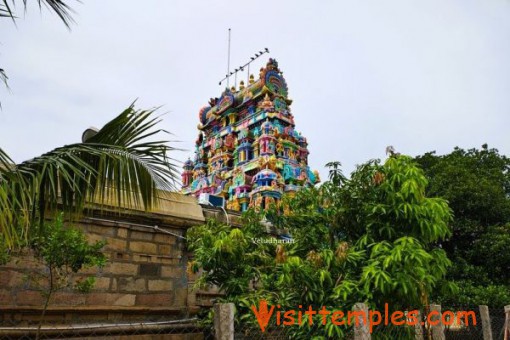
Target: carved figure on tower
{"x":248,"y":150}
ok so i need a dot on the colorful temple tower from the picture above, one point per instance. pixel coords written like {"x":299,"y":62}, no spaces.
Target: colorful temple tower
{"x":247,"y":150}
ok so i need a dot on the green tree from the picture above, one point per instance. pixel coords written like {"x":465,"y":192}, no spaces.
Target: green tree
{"x":63,"y":251}
{"x":370,"y":238}
{"x":476,"y":184}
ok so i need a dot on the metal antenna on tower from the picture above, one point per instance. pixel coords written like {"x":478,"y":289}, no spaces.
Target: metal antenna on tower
{"x":241,"y":68}
{"x":228,"y":60}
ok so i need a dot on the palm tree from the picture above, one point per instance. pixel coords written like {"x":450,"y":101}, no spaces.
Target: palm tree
{"x":121,"y":166}
{"x":117,"y":166}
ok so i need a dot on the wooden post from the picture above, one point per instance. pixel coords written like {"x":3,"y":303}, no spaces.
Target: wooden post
{"x":436,"y":323}
{"x":507,"y":323}
{"x":486,"y":322}
{"x":224,"y":321}
{"x":361,"y":331}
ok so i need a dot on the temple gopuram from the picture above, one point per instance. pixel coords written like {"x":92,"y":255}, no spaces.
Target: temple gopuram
{"x":247,"y":150}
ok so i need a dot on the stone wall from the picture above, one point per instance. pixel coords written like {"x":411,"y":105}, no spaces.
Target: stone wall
{"x":145,"y":275}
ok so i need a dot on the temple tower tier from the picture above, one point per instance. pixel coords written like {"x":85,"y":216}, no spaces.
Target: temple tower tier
{"x":248,"y":150}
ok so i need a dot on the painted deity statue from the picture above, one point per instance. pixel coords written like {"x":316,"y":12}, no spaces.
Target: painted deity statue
{"x":248,"y":150}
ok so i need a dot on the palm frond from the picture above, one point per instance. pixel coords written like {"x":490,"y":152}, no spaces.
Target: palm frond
{"x":14,"y":203}
{"x":60,"y":7}
{"x":3,"y":77}
{"x":117,"y":167}
{"x":5,"y":10}
{"x":144,"y":163}
{"x":5,"y":162}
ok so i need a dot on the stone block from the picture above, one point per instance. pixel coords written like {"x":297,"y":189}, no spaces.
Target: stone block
{"x":155,"y":300}
{"x":150,"y":269}
{"x":191,"y":300}
{"x":142,"y":235}
{"x":121,"y":268}
{"x":125,"y":300}
{"x":119,"y":256}
{"x":29,"y":298}
{"x":143,"y":247}
{"x":116,"y":244}
{"x":102,"y":283}
{"x":103,"y":230}
{"x":11,"y":278}
{"x":26,"y":262}
{"x":165,"y":249}
{"x":67,"y":299}
{"x":93,"y":238}
{"x":160,"y":285}
{"x":91,"y":270}
{"x":143,"y":258}
{"x":108,"y":299}
{"x":122,"y":232}
{"x":131,"y":284}
{"x":181,"y":296}
{"x":173,"y":272}
{"x":164,"y":238}
{"x":6,"y":297}
{"x":167,"y":260}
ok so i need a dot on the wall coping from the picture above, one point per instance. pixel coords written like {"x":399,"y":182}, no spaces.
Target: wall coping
{"x":173,"y":210}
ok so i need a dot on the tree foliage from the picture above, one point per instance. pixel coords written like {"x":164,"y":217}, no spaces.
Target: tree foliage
{"x":476,"y":184}
{"x":371,"y":238}
{"x":63,"y":251}
{"x":122,"y":165}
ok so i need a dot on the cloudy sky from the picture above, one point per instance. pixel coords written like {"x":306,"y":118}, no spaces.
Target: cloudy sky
{"x":418,"y":75}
